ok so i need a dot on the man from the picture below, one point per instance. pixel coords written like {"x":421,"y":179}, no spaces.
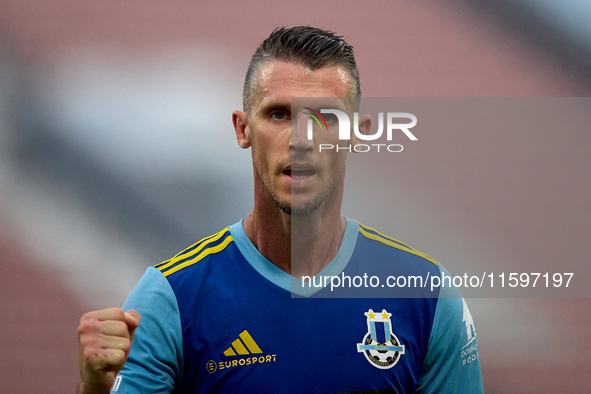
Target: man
{"x":236,"y":312}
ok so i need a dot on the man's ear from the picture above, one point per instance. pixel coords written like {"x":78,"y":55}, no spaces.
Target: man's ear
{"x":240,"y":121}
{"x":364,"y":128}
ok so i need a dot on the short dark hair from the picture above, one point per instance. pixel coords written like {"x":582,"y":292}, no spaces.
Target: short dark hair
{"x":309,"y":46}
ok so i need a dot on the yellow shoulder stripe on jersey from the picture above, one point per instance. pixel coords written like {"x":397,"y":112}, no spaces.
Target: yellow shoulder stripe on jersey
{"x":182,"y":252}
{"x":385,"y":236}
{"x":190,"y":251}
{"x":202,"y":255}
{"x":164,"y":262}
{"x":393,"y":243}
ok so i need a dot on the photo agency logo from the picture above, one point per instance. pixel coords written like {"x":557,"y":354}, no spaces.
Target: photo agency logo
{"x":395,"y":122}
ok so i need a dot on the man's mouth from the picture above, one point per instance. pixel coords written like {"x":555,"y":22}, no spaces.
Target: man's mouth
{"x":299,"y":173}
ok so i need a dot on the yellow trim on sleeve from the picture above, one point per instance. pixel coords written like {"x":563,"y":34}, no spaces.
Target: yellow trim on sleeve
{"x":164,"y":262}
{"x":201,"y":256}
{"x":393,"y":243}
{"x":187,"y":250}
{"x":204,"y":242}
{"x":385,"y":236}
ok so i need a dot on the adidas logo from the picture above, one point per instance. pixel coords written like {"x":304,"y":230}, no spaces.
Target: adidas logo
{"x":238,"y":346}
{"x":244,"y":345}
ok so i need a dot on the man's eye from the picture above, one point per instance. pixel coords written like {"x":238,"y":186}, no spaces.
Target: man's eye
{"x":279,"y":115}
{"x":329,"y":117}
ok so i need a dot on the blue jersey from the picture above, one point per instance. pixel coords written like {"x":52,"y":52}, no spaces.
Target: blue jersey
{"x":220,"y":318}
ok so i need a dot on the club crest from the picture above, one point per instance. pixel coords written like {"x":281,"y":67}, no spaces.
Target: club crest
{"x":380,"y":346}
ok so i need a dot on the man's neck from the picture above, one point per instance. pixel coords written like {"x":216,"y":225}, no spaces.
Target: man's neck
{"x":298,"y":245}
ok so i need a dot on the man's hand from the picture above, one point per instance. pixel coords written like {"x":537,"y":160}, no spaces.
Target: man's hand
{"x":104,"y":341}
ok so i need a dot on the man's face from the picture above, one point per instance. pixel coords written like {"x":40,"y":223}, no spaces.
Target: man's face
{"x":289,"y":166}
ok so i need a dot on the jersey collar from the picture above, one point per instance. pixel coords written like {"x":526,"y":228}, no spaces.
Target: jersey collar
{"x":281,"y":278}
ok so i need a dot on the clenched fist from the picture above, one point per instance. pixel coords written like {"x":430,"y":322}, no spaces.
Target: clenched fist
{"x":104,"y":341}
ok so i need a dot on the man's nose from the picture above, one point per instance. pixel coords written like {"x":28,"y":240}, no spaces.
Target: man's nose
{"x":302,"y":133}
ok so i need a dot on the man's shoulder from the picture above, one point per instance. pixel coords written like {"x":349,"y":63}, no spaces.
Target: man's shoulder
{"x":371,"y":239}
{"x":197,"y":255}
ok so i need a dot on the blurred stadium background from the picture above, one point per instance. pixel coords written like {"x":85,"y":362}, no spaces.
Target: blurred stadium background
{"x":116,"y":151}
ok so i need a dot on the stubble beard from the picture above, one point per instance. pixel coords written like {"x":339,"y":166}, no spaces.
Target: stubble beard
{"x":310,"y":206}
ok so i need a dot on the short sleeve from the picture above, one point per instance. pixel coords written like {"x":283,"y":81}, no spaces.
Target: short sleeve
{"x":155,"y":361}
{"x":452,"y":364}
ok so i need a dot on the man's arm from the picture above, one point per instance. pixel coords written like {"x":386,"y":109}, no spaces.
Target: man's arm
{"x":451,"y":364}
{"x":149,"y":359}
{"x":104,"y":342}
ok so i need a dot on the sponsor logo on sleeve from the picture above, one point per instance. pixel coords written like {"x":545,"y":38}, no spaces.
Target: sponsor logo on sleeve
{"x":469,"y":352}
{"x":116,"y":384}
